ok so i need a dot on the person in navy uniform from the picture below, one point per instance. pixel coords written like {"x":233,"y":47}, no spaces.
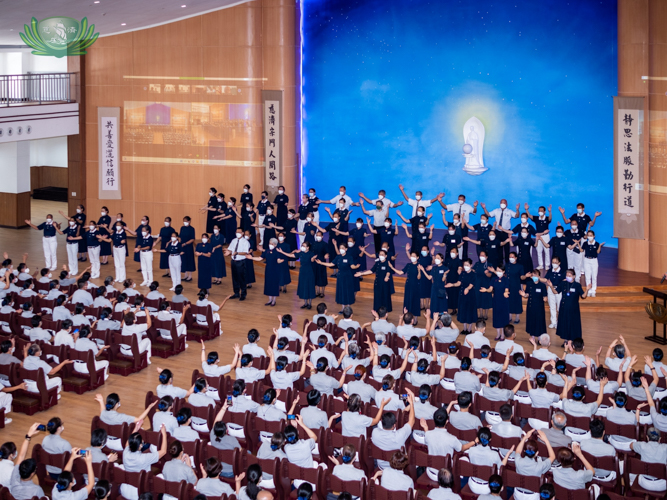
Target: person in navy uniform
{"x":414,"y":222}
{"x":453,"y":279}
{"x":343,"y":215}
{"x":358,"y":234}
{"x":219,"y":270}
{"x":262,"y":205}
{"x":187,"y":238}
{"x":314,"y":205}
{"x":493,"y":248}
{"x":203,"y":253}
{"x":211,"y":210}
{"x":463,"y":210}
{"x":524,"y":243}
{"x":72,"y":238}
{"x":280,"y":201}
{"x":426,"y":261}
{"x":591,"y":249}
{"x":503,"y":224}
{"x":422,"y":237}
{"x":573,"y":237}
{"x":144,"y":249}
{"x":569,"y":316}
{"x":270,"y":226}
{"x":500,"y":288}
{"x":290,"y":235}
{"x":437,"y":274}
{"x":246,"y":196}
{"x":536,"y":292}
{"x":345,"y":278}
{"x":284,"y":276}
{"x":305,"y":290}
{"x":541,"y":222}
{"x":483,"y":277}
{"x":49,"y":241}
{"x":481,"y":230}
{"x":321,"y":250}
{"x":274,"y":260}
{"x":516,"y":274}
{"x":118,"y":241}
{"x":248,"y":221}
{"x":302,"y":213}
{"x":555,"y":275}
{"x":93,"y":245}
{"x":80,"y":218}
{"x":104,"y":228}
{"x":412,"y":273}
{"x":228,"y":218}
{"x":387,"y":234}
{"x":382,"y":291}
{"x":450,"y":241}
{"x":164,"y":239}
{"x":174,"y":253}
{"x":249,"y":263}
{"x":145,"y":224}
{"x":462,"y":232}
{"x":467,"y":313}
{"x":584,"y":220}
{"x":558,"y":245}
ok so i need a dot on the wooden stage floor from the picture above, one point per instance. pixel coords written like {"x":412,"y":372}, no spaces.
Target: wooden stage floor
{"x":600,"y":328}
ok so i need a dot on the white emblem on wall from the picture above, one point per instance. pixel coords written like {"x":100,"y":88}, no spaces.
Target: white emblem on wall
{"x":473,"y":147}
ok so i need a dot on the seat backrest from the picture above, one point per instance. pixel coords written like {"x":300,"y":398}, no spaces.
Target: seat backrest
{"x":512,"y":479}
{"x":419,"y":458}
{"x":467,"y":435}
{"x":88,"y":358}
{"x":121,"y":431}
{"x":604,"y":463}
{"x":565,"y":494}
{"x":355,"y":488}
{"x":634,"y":465}
{"x":613,"y":429}
{"x":377,"y":492}
{"x":39,"y":378}
{"x":504,"y":443}
{"x":466,"y":468}
{"x":231,"y":457}
{"x":291,"y":472}
{"x":528,"y":411}
{"x":137,"y":479}
{"x":172,"y":488}
{"x":578,"y":422}
{"x":169,"y":325}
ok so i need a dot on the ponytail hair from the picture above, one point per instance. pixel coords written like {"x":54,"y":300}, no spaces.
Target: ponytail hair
{"x":220,"y":430}
{"x":112,"y":400}
{"x":102,"y":489}
{"x":253,"y":475}
{"x":212,"y":357}
{"x":183,"y":415}
{"x":64,"y":480}
{"x":238,"y":387}
{"x":165,"y":376}
{"x":165,"y":403}
{"x":175,"y":449}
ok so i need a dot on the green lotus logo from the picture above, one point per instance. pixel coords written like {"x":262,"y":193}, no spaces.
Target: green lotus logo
{"x":59,"y":36}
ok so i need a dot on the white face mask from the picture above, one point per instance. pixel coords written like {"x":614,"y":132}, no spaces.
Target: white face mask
{"x":499,"y":274}
{"x":580,"y":210}
{"x":556,"y":267}
{"x":382,"y":258}
{"x":380,"y":197}
{"x":503,"y":206}
{"x":119,"y":229}
{"x":311,"y":195}
{"x":281,"y":239}
{"x":559,"y":235}
{"x":118,"y":219}
{"x":343,"y":251}
{"x":461,"y":202}
{"x":204,"y":240}
{"x":290,"y":216}
{"x":72,"y":223}
{"x":575,"y":228}
{"x":420,"y":214}
{"x":569,"y":279}
{"x":418,"y":197}
{"x":492,"y":237}
{"x":174,"y":238}
{"x":591,"y":238}
{"x":342,"y":193}
{"x":484,"y":223}
{"x":245,"y":190}
{"x":92,"y":228}
{"x":336,"y":219}
{"x":269,"y":212}
{"x":238,"y":235}
{"x":422,"y":229}
{"x":457,"y":222}
{"x":304,"y":249}
{"x":26,"y":270}
{"x":359,"y":224}
{"x":247,"y":237}
{"x":167,"y":224}
{"x":525,"y":235}
{"x":413,"y":259}
{"x":219,"y":200}
{"x":318,"y":238}
{"x":466,"y":269}
{"x":229,"y":204}
{"x":216,"y":231}
{"x":452,"y":231}
{"x":541,"y":213}
{"x":453,"y":255}
{"x":210,"y":193}
{"x":482,"y":259}
{"x":387,"y":224}
{"x":144,"y":222}
{"x":438,"y":262}
{"x":350,"y":244}
{"x":280,"y":191}
{"x":186,"y":223}
{"x":103,"y":213}
{"x":309,"y":219}
{"x":144,"y":234}
{"x":512,"y":260}
{"x":78,"y":210}
{"x":424,"y":253}
{"x":271,"y":247}
{"x":524,"y":220}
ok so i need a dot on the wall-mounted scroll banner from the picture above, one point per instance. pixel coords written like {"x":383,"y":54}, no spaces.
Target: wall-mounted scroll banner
{"x":629,"y":167}
{"x":273,"y":151}
{"x":108,"y":132}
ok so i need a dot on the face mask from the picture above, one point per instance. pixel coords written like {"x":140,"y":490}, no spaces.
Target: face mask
{"x":186,"y":223}
{"x":78,"y":210}
{"x":378,"y":207}
{"x":499,"y":274}
{"x":311,"y":194}
{"x":559,"y":234}
{"x":512,"y":260}
{"x":216,"y":231}
{"x":591,"y":238}
{"x":350,"y":244}
{"x":569,"y":279}
{"x":541,"y":214}
{"x":204,"y":240}
{"x":119,"y":229}
{"x":309,"y":219}
{"x":342,"y":193}
{"x":144,"y":222}
{"x":482,"y":259}
{"x":144,"y":234}
{"x":484,"y":223}
{"x":461,"y":202}
{"x":281,"y":239}
{"x":382,"y":258}
{"x":72,"y":223}
{"x":103,"y":213}
{"x":92,"y":228}
{"x":574,"y":229}
{"x":524,"y":219}
{"x":269,"y":212}
{"x":492,"y":237}
{"x":580,"y":210}
{"x":466,"y":269}
{"x":174,"y":238}
{"x":166,"y":224}
{"x":380,"y":197}
{"x":524,"y":235}
{"x":422,"y":229}
{"x":336,"y":219}
{"x":271,"y":247}
{"x":385,"y":250}
{"x":457,"y":222}
{"x":418,"y":197}
{"x":280,"y":191}
{"x":535,"y":279}
{"x":238,"y":235}
{"x":289,"y":216}
{"x":210,"y":193}
{"x":229,"y":204}
{"x":342,"y":206}
{"x":438,"y":262}
{"x":343,"y":251}
{"x":118,"y":219}
{"x":503,"y":206}
{"x":245,"y":190}
{"x":453,"y":255}
{"x":413,"y":259}
{"x":304,"y":249}
{"x":359,"y":224}
{"x":387,"y":225}
{"x":247,"y":237}
{"x":318,"y":238}
{"x":452,"y":231}
{"x":420,"y":214}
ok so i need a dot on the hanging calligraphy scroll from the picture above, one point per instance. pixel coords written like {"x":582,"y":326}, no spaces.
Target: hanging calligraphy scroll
{"x":273,"y":154}
{"x":629,"y":167}
{"x":108,"y":123}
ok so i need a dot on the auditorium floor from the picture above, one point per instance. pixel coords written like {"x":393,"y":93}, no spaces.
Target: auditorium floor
{"x":77,"y":411}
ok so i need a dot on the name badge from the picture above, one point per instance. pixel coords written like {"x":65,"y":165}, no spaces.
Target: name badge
{"x":453,"y":241}
{"x":383,"y":268}
{"x":345,"y":261}
{"x":441,"y":272}
{"x":573,"y":289}
{"x":493,"y":246}
{"x":562,"y":243}
{"x":538,"y":289}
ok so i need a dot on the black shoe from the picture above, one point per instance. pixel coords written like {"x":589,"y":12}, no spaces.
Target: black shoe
{"x":268,"y":304}
{"x":304,"y":306}
{"x":188,"y":279}
{"x":235,"y":296}
{"x":309,"y":306}
{"x":242,"y":297}
{"x":138,"y":270}
{"x":517,"y":322}
{"x":273,"y":305}
{"x":285,"y":290}
{"x":249,"y":286}
{"x":166,"y":275}
{"x":104,"y":263}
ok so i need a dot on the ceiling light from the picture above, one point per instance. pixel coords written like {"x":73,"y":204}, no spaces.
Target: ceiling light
{"x":123,"y":24}
{"x":96,"y":1}
{"x":183,"y":6}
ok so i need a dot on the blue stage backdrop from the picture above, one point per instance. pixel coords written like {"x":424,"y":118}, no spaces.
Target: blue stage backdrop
{"x":388,"y":86}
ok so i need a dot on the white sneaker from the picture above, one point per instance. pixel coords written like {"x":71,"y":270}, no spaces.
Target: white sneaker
{"x":8,"y":421}
{"x":172,"y":289}
{"x":186,"y":346}
{"x":540,"y":267}
{"x":552,"y":325}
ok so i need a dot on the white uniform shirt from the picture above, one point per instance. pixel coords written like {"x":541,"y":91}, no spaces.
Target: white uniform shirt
{"x":503,"y":217}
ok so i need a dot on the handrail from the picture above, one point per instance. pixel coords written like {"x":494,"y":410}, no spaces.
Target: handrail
{"x":36,"y":88}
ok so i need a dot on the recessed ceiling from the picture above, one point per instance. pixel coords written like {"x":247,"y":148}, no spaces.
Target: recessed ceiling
{"x":110,"y":17}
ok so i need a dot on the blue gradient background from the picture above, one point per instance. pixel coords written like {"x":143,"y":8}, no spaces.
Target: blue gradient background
{"x":388,"y":86}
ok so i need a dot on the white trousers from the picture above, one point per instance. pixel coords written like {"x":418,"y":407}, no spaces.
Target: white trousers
{"x":591,"y":273}
{"x":543,"y":251}
{"x":554,"y":306}
{"x":181,"y":330}
{"x":175,"y":269}
{"x":72,"y":258}
{"x":119,"y":263}
{"x":144,"y":346}
{"x":574,"y":262}
{"x":50,"y":245}
{"x":261,"y":230}
{"x":6,"y":402}
{"x":31,"y":385}
{"x":146,"y":259}
{"x":94,"y":256}
{"x":99,"y":365}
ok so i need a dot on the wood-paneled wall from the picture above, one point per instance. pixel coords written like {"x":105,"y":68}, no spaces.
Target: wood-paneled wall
{"x":14,"y":209}
{"x":45,"y":176}
{"x":252,"y":45}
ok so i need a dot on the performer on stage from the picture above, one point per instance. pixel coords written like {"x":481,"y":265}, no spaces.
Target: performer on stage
{"x":536,"y":292}
{"x":569,"y":316}
{"x":500,"y":288}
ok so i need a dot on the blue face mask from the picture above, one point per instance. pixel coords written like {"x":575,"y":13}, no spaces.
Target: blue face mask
{"x":535,"y":279}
